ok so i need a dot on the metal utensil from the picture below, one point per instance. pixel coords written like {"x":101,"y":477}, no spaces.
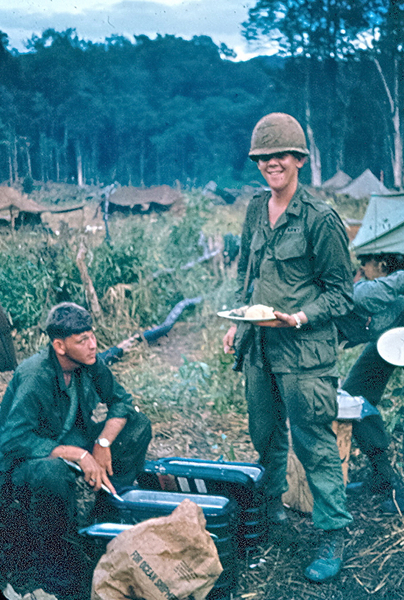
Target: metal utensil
{"x":76,"y":467}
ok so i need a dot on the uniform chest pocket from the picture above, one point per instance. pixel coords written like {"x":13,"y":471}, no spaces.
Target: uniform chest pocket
{"x":257,"y":241}
{"x":290,"y":246}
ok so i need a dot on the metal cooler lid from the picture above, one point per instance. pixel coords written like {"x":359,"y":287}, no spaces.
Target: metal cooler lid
{"x":246,"y":474}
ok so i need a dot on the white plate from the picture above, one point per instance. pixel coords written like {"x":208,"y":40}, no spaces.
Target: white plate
{"x":390,"y":346}
{"x":226,"y":314}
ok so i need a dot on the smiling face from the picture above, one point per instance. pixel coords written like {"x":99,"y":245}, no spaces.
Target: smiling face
{"x":77,"y":349}
{"x":281,"y":170}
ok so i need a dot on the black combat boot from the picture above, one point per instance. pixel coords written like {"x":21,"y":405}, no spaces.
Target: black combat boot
{"x":379,"y":481}
{"x":328,"y":561}
{"x":394,"y":503}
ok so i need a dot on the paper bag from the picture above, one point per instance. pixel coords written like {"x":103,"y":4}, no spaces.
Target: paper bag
{"x":166,"y":558}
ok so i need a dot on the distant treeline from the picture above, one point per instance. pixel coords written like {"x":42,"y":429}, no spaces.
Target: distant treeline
{"x":151,"y":112}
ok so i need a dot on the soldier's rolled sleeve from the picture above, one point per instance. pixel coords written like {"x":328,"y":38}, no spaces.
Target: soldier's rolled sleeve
{"x":117,"y":399}
{"x":121,"y":403}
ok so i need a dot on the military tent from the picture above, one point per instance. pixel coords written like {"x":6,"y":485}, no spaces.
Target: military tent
{"x":364,"y":185}
{"x":19,"y":209}
{"x":338,"y":181}
{"x":129,"y":199}
{"x":382,"y":229}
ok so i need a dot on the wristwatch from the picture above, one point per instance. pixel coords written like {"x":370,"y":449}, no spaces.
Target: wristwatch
{"x":103,"y":442}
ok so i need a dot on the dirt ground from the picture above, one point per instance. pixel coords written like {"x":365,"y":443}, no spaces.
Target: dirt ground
{"x":374,"y":557}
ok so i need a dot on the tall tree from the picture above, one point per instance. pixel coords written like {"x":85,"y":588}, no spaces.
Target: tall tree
{"x":310,"y":31}
{"x":388,"y":59}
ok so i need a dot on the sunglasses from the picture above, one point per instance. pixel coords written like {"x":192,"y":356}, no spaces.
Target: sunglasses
{"x":267,"y":157}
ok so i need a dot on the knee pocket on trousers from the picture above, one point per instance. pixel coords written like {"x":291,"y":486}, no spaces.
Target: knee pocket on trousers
{"x":317,"y":400}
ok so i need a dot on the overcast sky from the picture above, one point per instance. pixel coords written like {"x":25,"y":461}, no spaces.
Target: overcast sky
{"x":97,"y":19}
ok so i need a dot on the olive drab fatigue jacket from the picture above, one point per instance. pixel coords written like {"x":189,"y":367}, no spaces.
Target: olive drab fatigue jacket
{"x":36,"y":404}
{"x":303,"y":264}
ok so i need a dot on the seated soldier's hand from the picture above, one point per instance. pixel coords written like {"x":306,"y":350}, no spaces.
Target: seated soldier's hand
{"x":95,"y":473}
{"x":103,"y":458}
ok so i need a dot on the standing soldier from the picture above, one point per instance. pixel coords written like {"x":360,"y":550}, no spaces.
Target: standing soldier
{"x":294,"y":252}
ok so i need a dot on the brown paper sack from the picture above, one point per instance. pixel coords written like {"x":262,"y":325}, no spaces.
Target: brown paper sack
{"x":299,"y":496}
{"x":166,"y":558}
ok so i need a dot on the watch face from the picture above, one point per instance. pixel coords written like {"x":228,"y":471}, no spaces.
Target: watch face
{"x":103,"y":442}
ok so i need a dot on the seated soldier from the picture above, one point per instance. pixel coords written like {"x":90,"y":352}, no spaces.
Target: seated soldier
{"x":64,"y":403}
{"x":379,"y":299}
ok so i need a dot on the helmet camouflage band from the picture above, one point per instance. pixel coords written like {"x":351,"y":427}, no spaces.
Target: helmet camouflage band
{"x":277,"y":132}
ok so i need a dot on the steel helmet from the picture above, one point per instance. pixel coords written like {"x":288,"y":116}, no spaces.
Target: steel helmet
{"x":277,"y":132}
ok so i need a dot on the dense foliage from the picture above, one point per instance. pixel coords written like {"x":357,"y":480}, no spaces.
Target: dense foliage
{"x":142,"y":266}
{"x":155,"y":111}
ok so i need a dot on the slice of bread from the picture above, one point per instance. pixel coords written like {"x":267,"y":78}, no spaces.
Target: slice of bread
{"x":259,"y":311}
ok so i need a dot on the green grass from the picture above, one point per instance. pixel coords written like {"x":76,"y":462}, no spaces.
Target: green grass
{"x":138,"y":281}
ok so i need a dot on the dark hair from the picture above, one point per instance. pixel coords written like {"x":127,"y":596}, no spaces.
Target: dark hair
{"x":67,"y":318}
{"x":391,"y":262}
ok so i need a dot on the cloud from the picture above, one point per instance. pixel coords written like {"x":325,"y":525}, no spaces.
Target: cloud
{"x":220,"y":20}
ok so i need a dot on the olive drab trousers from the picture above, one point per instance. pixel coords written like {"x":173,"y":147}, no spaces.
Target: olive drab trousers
{"x":368,"y":377}
{"x":46,"y":486}
{"x":310,"y":405}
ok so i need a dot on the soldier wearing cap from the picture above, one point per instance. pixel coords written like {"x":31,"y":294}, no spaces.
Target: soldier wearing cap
{"x":64,"y":403}
{"x":294,"y":252}
{"x":379,"y":300}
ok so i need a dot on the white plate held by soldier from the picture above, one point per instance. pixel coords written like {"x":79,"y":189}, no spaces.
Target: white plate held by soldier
{"x":253,"y":314}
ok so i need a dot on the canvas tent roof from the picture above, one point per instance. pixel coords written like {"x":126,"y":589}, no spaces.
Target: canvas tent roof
{"x":131,"y":196}
{"x":11,"y":198}
{"x":339,"y":180}
{"x":364,"y":185}
{"x":382,"y":228}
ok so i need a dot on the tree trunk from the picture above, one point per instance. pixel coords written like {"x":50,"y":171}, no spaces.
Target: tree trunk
{"x":10,"y":163}
{"x":29,"y":166}
{"x":15,"y":159}
{"x":91,"y":295}
{"x":41,"y":156}
{"x":398,"y":140}
{"x":57,"y":163}
{"x":79,"y":162}
{"x":315,"y":157}
{"x":158,"y":167}
{"x":393,"y":100}
{"x":398,"y":150}
{"x":142,"y":164}
{"x":64,"y":155}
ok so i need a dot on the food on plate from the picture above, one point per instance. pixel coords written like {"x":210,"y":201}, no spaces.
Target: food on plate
{"x":259,"y":311}
{"x":238,"y":312}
